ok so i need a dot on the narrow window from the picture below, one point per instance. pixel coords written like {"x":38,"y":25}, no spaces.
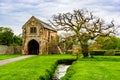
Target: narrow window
{"x":33,"y":30}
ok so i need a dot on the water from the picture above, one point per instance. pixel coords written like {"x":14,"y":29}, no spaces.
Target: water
{"x":60,"y":71}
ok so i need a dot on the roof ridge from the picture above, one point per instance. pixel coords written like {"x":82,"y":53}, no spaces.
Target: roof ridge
{"x":46,"y":25}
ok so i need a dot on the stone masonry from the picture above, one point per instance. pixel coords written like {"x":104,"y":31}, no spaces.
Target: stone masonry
{"x":36,"y":36}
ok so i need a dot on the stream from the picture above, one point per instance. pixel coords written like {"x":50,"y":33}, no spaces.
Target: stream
{"x":60,"y":71}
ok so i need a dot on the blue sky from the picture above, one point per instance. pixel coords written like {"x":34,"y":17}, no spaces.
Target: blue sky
{"x":14,"y":13}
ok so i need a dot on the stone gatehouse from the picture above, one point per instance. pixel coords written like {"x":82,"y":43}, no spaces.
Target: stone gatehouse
{"x":37,"y":36}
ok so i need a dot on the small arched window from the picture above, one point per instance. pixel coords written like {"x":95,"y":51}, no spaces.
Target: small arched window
{"x":33,"y":30}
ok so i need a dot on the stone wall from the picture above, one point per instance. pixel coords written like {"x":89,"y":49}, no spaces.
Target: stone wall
{"x":10,"y":49}
{"x":3,"y":49}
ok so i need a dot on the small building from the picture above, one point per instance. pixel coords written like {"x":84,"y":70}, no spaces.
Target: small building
{"x":36,"y":36}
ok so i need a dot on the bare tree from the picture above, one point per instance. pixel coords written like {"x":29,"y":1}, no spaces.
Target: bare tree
{"x":85,"y":26}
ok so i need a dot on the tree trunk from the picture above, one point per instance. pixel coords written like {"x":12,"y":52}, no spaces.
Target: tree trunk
{"x":85,"y":51}
{"x":77,"y":56}
{"x":60,"y":51}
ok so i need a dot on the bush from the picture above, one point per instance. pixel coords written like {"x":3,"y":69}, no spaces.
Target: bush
{"x":110,"y":53}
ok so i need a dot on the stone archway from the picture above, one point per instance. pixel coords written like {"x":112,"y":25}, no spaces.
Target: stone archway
{"x":33,"y":47}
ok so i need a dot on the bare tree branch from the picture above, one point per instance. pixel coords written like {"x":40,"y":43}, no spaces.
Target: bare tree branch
{"x":84,"y":24}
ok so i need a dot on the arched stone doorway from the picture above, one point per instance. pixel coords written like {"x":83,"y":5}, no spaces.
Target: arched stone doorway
{"x":33,"y":47}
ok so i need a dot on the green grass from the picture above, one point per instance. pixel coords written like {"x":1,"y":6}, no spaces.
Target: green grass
{"x":34,"y":68}
{"x":7,"y":56}
{"x":98,"y":68}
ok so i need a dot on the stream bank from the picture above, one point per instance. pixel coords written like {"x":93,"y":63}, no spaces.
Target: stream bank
{"x":61,"y":68}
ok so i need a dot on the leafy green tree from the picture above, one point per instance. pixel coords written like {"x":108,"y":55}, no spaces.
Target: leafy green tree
{"x":118,"y":44}
{"x":17,"y":41}
{"x":108,"y":43}
{"x":68,"y":43}
{"x":6,"y":36}
{"x":84,"y":25}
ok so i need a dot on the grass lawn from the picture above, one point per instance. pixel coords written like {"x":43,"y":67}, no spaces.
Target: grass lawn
{"x":98,"y":68}
{"x":34,"y":68}
{"x":7,"y":56}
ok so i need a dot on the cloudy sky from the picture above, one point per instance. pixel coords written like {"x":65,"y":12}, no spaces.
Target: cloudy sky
{"x":14,"y":13}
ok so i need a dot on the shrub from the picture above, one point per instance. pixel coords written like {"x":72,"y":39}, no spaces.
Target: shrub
{"x":110,"y":53}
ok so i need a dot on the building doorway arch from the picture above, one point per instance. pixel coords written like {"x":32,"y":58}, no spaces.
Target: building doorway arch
{"x":33,"y":47}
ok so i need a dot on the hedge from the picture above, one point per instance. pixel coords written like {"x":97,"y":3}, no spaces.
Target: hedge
{"x":105,"y":52}
{"x":98,"y":52}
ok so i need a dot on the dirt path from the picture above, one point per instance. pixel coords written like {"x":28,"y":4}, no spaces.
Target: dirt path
{"x":3,"y":62}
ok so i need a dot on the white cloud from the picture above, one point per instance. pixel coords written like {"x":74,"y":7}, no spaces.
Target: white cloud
{"x":14,"y":13}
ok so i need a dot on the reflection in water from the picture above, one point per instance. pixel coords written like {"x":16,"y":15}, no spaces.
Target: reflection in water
{"x":61,"y":71}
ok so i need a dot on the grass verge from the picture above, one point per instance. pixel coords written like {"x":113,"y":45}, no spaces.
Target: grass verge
{"x":34,"y":68}
{"x":7,"y":56}
{"x":98,"y":68}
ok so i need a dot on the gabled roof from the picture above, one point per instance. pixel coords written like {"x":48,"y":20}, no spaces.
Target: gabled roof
{"x":45,"y":25}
